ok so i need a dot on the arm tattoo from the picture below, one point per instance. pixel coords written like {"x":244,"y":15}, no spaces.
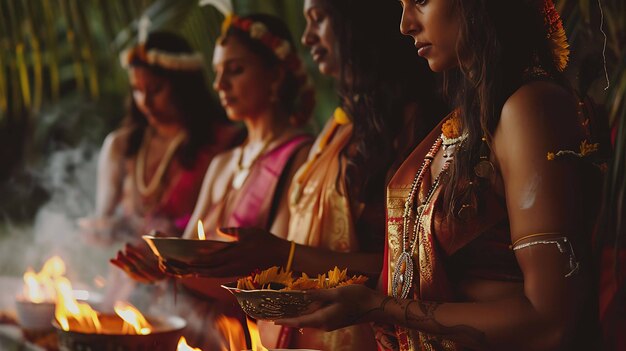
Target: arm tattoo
{"x":380,"y":307}
{"x":424,"y":316}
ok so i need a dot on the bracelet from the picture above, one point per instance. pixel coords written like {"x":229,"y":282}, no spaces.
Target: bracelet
{"x":512,"y":246}
{"x":292,"y":250}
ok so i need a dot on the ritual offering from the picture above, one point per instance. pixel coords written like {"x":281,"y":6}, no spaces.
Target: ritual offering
{"x":191,"y":252}
{"x":274,"y":293}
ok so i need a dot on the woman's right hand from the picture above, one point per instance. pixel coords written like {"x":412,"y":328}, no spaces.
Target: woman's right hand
{"x":254,"y":249}
{"x":139,"y":263}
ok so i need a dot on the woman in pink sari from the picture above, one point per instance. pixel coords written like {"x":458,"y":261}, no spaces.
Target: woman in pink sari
{"x":261,"y":82}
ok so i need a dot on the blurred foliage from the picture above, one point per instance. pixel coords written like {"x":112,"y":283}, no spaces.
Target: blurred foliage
{"x":598,"y":62}
{"x":61,"y":83}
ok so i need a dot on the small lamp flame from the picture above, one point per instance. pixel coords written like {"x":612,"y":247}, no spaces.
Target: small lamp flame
{"x":201,"y":234}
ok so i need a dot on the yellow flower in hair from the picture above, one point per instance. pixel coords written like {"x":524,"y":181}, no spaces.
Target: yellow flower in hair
{"x":556,"y":35}
{"x":228,"y":20}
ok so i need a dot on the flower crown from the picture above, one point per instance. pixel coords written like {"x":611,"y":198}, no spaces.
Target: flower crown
{"x":257,"y":30}
{"x":283,"y":50}
{"x":556,"y":35}
{"x":163,"y":59}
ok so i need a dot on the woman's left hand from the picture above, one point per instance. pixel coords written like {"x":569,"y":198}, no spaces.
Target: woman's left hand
{"x":139,"y":263}
{"x":341,"y":307}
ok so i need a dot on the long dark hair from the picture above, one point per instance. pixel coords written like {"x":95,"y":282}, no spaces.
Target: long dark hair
{"x":199,"y":111}
{"x":380,"y":75}
{"x":296,"y":97}
{"x":495,"y":50}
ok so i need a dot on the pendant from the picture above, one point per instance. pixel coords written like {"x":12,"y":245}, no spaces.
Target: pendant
{"x":484,"y":169}
{"x":402,"y":276}
{"x":240,"y":178}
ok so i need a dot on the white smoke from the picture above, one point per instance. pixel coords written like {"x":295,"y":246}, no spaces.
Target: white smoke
{"x":69,"y":176}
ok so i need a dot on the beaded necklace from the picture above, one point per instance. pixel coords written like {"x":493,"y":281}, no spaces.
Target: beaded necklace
{"x":403,"y":272}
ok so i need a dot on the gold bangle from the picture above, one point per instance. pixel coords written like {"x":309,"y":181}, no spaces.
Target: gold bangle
{"x":292,"y":250}
{"x":531,"y":236}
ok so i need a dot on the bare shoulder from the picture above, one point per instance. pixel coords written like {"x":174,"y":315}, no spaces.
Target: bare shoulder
{"x":117,"y":140}
{"x":539,"y":113}
{"x":115,"y":143}
{"x":540,"y":105}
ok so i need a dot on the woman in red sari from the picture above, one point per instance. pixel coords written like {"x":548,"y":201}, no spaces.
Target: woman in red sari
{"x":489,"y":220}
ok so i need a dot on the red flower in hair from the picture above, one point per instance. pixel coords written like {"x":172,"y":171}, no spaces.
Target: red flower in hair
{"x":556,"y":35}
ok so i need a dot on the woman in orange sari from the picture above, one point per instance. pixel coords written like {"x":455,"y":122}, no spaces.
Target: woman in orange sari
{"x":489,"y":220}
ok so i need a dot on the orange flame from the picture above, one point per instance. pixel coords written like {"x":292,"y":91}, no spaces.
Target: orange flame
{"x":68,"y":309}
{"x":232,"y":332}
{"x":39,"y":287}
{"x":255,"y":336}
{"x":201,"y":234}
{"x":133,"y":318}
{"x":182,"y":345}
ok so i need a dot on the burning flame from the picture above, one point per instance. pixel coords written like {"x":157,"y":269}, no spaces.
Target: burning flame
{"x":39,"y":287}
{"x":79,"y":316}
{"x":182,"y":345}
{"x":132,"y":317}
{"x":255,"y":336}
{"x":68,"y":308}
{"x":201,"y":234}
{"x":231,"y":332}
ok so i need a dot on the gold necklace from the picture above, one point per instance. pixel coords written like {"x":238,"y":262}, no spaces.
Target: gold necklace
{"x":243,"y":171}
{"x":140,"y":165}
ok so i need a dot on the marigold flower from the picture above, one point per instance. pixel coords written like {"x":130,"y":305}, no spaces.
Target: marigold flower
{"x":451,"y":128}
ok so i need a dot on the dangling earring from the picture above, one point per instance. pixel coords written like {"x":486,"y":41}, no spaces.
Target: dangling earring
{"x":484,"y":168}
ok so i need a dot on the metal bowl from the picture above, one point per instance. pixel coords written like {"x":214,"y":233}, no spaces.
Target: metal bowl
{"x":272,"y":304}
{"x":164,"y":337}
{"x":188,"y":251}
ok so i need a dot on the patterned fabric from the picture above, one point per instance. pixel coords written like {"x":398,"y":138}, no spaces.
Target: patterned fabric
{"x":443,"y":248}
{"x":251,"y":206}
{"x":324,"y":215}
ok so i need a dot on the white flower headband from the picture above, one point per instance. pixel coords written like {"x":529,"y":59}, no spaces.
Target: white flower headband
{"x":159,"y":58}
{"x":163,"y":59}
